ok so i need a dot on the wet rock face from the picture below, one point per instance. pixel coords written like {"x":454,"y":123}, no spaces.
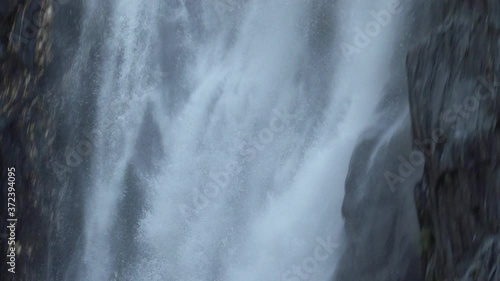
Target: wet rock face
{"x":380,"y":223}
{"x":453,"y":76}
{"x":3,"y":52}
{"x":7,"y":7}
{"x":26,"y":131}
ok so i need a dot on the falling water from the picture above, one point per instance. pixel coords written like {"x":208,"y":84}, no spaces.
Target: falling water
{"x":239,"y":119}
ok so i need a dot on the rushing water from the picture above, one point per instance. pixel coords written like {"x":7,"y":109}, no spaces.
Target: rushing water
{"x":223,"y":136}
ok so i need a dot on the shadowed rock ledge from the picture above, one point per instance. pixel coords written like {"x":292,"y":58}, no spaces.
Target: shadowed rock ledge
{"x":452,"y":74}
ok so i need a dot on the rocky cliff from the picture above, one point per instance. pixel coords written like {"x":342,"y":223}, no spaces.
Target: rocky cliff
{"x":452,"y":68}
{"x":26,"y":131}
{"x":453,"y":74}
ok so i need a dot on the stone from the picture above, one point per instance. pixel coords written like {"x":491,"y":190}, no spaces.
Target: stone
{"x":453,"y":71}
{"x":7,"y":7}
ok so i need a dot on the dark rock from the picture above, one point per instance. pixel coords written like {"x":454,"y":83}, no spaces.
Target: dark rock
{"x":28,"y":32}
{"x":452,"y":73}
{"x":26,"y":138}
{"x":3,"y":52}
{"x":7,"y":7}
{"x":380,"y":223}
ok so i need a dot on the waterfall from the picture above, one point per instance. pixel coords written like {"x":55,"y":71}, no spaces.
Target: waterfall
{"x":232,"y":124}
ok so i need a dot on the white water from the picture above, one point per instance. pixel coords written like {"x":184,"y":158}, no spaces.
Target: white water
{"x":280,"y":184}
